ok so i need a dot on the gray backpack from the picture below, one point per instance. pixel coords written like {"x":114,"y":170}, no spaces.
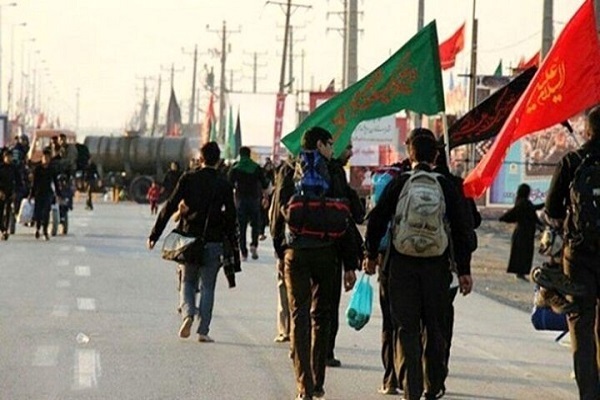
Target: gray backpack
{"x":419,"y":225}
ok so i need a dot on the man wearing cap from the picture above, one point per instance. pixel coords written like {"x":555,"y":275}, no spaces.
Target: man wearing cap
{"x":418,"y":286}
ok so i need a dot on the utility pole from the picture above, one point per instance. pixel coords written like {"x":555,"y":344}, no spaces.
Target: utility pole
{"x":222,"y":90}
{"x":420,"y":23}
{"x":473,"y":73}
{"x":352,"y":42}
{"x":77,"y":110}
{"x":547,"y":31}
{"x":344,"y":33}
{"x":143,"y":125}
{"x":291,"y":61}
{"x":172,"y":71}
{"x":287,"y":9}
{"x":255,"y":65}
{"x":156,"y":107}
{"x":193,"y":97}
{"x":597,"y":8}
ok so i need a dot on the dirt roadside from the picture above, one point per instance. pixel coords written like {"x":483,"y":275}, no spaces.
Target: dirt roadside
{"x":489,"y":264}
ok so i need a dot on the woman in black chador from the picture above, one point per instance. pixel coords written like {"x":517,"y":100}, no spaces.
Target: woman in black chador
{"x":524,"y":215}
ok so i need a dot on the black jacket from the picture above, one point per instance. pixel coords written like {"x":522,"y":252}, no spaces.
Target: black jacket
{"x":385,"y":209}
{"x":8,"y":178}
{"x":201,"y":190}
{"x":557,"y":198}
{"x":43,"y":179}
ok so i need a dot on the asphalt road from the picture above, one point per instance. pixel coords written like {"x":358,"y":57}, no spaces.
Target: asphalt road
{"x":92,"y":315}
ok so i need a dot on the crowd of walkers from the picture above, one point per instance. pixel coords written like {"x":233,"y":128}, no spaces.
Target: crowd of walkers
{"x":40,"y":186}
{"x":420,"y":237}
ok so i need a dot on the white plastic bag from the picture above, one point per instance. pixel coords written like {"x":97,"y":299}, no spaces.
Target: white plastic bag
{"x":25,"y":212}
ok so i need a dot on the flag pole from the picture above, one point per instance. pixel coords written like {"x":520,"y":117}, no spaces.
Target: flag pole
{"x":446,"y":138}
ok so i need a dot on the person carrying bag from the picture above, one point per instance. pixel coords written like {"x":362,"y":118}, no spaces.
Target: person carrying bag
{"x":198,"y":242}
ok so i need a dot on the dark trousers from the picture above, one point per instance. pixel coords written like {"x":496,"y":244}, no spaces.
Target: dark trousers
{"x":5,"y":207}
{"x":388,"y":334}
{"x":335,"y":310}
{"x":248,"y":210}
{"x":89,"y":189}
{"x":309,"y":277}
{"x":418,"y":301}
{"x":41,"y":212}
{"x":585,"y":269}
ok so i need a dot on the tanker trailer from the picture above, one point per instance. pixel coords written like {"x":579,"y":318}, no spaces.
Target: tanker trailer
{"x":133,"y":162}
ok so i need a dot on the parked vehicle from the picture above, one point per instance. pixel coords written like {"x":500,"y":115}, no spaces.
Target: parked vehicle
{"x":132,"y":162}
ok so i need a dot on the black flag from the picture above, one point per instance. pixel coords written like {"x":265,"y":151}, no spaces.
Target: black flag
{"x":173,"y":116}
{"x":486,"y":120}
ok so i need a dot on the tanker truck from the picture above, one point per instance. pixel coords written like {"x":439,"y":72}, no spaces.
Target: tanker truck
{"x":133,"y":162}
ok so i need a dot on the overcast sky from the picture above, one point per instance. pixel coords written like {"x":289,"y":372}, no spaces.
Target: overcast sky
{"x":106,"y":47}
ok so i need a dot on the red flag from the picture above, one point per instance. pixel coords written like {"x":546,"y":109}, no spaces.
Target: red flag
{"x":209,"y":120}
{"x":565,"y":84}
{"x":279,"y":107}
{"x":331,"y":87}
{"x":451,"y":47}
{"x":533,"y":62}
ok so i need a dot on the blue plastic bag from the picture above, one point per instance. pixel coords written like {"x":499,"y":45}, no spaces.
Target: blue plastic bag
{"x":361,"y":303}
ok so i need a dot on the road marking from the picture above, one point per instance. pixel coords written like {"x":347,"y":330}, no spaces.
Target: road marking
{"x":63,"y":283}
{"x":61,"y":311}
{"x":87,"y":369}
{"x":62,"y":262}
{"x":86,"y":304}
{"x":45,"y":356}
{"x":82,"y":270}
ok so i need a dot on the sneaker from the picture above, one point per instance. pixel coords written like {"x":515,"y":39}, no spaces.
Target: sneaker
{"x":186,"y":327}
{"x":4,"y":236}
{"x":46,"y":236}
{"x":37,"y":234}
{"x":387,"y":390}
{"x":333,"y":362}
{"x":281,"y":338}
{"x":551,"y":277}
{"x":205,"y":339}
{"x":254,"y":252}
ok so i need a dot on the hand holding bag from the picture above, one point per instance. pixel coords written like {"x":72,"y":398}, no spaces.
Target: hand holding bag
{"x":182,"y":247}
{"x":361,"y":303}
{"x":185,"y":248}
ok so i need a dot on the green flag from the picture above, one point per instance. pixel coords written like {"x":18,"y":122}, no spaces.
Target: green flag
{"x":410,"y":79}
{"x":498,"y":71}
{"x":213,"y":130}
{"x":230,"y":137}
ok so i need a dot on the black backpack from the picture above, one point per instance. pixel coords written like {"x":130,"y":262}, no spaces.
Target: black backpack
{"x":584,"y":213}
{"x":83,"y":156}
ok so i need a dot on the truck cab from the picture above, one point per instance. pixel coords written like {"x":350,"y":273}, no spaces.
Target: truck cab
{"x":42,"y":138}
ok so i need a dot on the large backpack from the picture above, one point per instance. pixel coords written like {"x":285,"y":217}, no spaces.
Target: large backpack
{"x":419,"y":225}
{"x":83,"y":156}
{"x":310,"y":212}
{"x":584,"y":214}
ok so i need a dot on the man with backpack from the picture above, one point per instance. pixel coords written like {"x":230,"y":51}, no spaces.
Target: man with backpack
{"x":429,"y":231}
{"x":573,"y":202}
{"x":249,"y":183}
{"x":309,"y":222}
